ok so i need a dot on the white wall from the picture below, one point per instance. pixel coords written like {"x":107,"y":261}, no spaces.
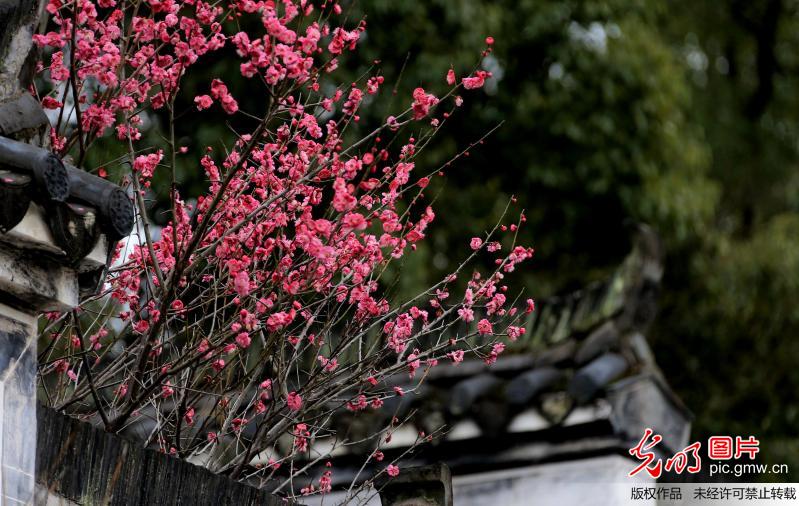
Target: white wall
{"x":598,"y":481}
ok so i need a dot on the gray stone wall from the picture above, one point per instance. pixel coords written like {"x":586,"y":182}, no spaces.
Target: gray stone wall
{"x":18,"y":19}
{"x":17,"y":406}
{"x":78,"y":463}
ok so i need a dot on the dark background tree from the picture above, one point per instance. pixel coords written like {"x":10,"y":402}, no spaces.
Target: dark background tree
{"x":682,"y":115}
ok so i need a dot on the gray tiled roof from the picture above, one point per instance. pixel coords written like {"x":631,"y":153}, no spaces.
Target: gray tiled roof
{"x":582,"y":378}
{"x":70,"y":209}
{"x":29,"y":173}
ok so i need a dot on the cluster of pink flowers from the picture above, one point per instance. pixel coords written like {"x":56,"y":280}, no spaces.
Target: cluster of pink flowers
{"x":145,"y":165}
{"x":476,"y":81}
{"x":283,"y":252}
{"x":97,"y":49}
{"x":220,"y":92}
{"x":301,"y":435}
{"x":294,"y":401}
{"x":422,"y":102}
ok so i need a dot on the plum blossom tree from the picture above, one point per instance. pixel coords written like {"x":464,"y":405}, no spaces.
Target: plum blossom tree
{"x":258,"y":311}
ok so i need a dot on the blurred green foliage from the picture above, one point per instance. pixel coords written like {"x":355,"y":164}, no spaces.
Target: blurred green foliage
{"x":680,"y":114}
{"x":596,"y":131}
